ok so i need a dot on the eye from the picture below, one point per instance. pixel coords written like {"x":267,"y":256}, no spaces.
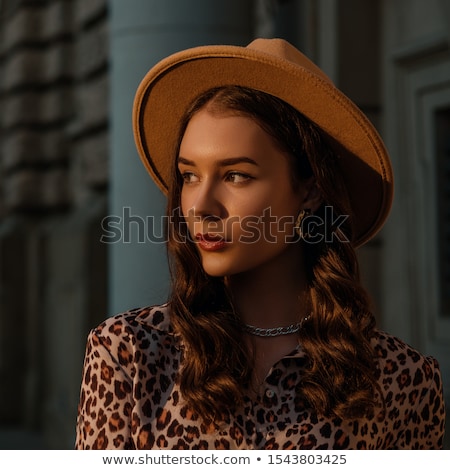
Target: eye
{"x":189,"y":177}
{"x":237,"y":177}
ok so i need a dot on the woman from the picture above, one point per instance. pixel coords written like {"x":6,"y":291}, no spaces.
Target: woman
{"x":267,"y":341}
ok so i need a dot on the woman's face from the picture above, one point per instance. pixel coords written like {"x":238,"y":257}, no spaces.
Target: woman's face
{"x":237,"y":196}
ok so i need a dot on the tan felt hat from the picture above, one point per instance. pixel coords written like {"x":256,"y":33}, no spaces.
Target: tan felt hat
{"x":276,"y":67}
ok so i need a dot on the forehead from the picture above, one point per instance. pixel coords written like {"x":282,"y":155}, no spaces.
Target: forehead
{"x":216,"y":133}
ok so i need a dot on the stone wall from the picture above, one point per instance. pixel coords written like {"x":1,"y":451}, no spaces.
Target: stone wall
{"x":53,"y":189}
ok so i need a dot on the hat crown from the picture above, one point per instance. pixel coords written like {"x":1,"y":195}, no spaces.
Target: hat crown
{"x":281,"y":49}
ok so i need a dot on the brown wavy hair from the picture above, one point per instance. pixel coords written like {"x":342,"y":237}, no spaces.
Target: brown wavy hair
{"x":339,"y":377}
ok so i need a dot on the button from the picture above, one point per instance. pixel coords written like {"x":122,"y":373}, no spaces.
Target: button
{"x":270,"y":393}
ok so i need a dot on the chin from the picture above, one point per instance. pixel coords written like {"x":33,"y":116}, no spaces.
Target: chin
{"x":225,"y":271}
{"x":219,"y":270}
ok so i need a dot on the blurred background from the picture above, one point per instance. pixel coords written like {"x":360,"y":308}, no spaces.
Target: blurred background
{"x":69,"y":172}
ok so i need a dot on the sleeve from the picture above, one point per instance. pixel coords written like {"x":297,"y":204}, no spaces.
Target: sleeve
{"x":425,"y":428}
{"x":105,"y":405}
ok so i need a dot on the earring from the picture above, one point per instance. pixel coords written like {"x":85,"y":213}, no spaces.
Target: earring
{"x":298,"y":223}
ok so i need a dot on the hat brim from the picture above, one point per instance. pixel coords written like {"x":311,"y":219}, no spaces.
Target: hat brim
{"x":169,"y":88}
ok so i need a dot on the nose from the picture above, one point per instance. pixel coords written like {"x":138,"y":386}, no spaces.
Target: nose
{"x":206,"y":201}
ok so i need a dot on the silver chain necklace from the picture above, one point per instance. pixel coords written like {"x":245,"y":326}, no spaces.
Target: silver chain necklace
{"x":276,"y":331}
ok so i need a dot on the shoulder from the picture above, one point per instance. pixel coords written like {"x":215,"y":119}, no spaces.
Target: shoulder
{"x":396,"y":355}
{"x":392,"y":350}
{"x":147,"y":319}
{"x":130,"y":335}
{"x":404,"y":370}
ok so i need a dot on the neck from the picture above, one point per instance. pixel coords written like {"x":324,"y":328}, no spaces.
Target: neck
{"x":272,"y":295}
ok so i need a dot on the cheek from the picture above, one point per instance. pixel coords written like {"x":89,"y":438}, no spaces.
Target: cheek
{"x":185,"y":204}
{"x":188,"y":214}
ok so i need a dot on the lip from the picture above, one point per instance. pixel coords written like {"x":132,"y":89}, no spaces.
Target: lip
{"x":210,"y":242}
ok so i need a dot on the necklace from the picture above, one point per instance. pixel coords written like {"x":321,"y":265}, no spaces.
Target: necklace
{"x":276,"y":331}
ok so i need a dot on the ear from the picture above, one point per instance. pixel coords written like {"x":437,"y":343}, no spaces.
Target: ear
{"x":312,"y":196}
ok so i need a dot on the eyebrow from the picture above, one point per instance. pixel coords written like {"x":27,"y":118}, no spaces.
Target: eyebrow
{"x":225,"y":162}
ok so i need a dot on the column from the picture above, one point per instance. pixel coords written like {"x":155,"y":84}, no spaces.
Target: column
{"x":143,"y":32}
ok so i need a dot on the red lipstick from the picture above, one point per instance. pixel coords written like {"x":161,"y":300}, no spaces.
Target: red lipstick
{"x":210,"y":242}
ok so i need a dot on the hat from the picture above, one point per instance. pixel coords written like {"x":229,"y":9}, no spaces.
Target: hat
{"x":275,"y":67}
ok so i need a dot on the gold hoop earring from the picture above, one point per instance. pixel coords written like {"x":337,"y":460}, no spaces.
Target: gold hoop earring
{"x":298,"y":223}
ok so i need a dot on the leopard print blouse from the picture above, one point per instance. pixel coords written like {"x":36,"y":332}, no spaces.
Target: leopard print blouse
{"x":130,"y":399}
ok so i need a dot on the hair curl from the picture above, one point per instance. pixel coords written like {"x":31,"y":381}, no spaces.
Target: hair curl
{"x":339,"y":378}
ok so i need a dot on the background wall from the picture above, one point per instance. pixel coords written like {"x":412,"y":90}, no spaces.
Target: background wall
{"x":68,"y":72}
{"x":54,"y":152}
